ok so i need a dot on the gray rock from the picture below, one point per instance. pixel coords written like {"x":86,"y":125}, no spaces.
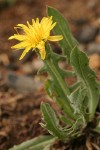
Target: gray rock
{"x":93,"y":48}
{"x":22,"y":83}
{"x":87,"y":34}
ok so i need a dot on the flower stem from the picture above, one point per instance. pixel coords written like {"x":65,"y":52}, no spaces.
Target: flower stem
{"x":58,"y":80}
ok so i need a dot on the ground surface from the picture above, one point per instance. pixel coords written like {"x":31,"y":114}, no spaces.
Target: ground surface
{"x":21,"y":91}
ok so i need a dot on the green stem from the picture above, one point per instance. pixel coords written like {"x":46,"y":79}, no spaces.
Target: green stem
{"x":59,"y":81}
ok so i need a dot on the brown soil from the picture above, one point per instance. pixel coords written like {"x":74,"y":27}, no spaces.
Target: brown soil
{"x":20,"y":110}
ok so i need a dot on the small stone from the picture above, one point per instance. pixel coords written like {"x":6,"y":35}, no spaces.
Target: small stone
{"x":22,"y":83}
{"x":87,"y":34}
{"x":91,"y":4}
{"x":94,"y":61}
{"x":98,"y":39}
{"x":96,"y":22}
{"x":32,"y":67}
{"x":4,"y":59}
{"x":27,"y":68}
{"x":93,"y":48}
{"x":37,"y":64}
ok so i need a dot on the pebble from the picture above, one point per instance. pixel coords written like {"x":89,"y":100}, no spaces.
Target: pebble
{"x":32,"y":67}
{"x":87,"y":34}
{"x":94,"y":61}
{"x":22,"y":83}
{"x":98,"y":39}
{"x":93,"y":48}
{"x":37,"y":64}
{"x":27,"y":68}
{"x":4,"y":59}
{"x":91,"y":4}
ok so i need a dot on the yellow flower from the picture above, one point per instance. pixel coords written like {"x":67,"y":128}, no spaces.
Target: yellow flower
{"x":35,"y":36}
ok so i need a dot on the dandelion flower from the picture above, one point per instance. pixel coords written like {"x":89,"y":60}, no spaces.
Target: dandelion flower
{"x":35,"y":35}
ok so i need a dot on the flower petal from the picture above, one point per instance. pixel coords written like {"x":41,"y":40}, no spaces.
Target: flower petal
{"x":53,"y":25}
{"x":41,"y":47}
{"x":24,"y":53}
{"x":55,"y":38}
{"x":20,"y":45}
{"x":18,"y":37}
{"x":46,"y":24}
{"x":23,"y":27}
{"x":35,"y":36}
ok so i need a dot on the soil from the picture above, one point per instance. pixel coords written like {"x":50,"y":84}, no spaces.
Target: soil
{"x":20,"y":101}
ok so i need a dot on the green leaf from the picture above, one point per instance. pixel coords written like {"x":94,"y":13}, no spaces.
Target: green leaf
{"x":51,"y":121}
{"x":97,"y":129}
{"x":62,"y":28}
{"x":42,"y":70}
{"x":86,"y":76}
{"x":50,"y":88}
{"x":75,"y":86}
{"x":10,"y":2}
{"x":38,"y":143}
{"x":59,"y":85}
{"x":53,"y":91}
{"x":77,"y":97}
{"x":66,"y":120}
{"x":67,"y":74}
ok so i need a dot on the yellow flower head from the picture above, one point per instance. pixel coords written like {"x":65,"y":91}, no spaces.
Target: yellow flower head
{"x":35,"y":36}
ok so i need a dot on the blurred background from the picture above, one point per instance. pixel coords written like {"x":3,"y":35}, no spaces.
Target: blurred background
{"x":21,"y":90}
{"x":83,"y":17}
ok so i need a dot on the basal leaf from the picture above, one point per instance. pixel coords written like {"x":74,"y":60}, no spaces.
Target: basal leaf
{"x":51,"y":121}
{"x":38,"y":143}
{"x":97,"y":128}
